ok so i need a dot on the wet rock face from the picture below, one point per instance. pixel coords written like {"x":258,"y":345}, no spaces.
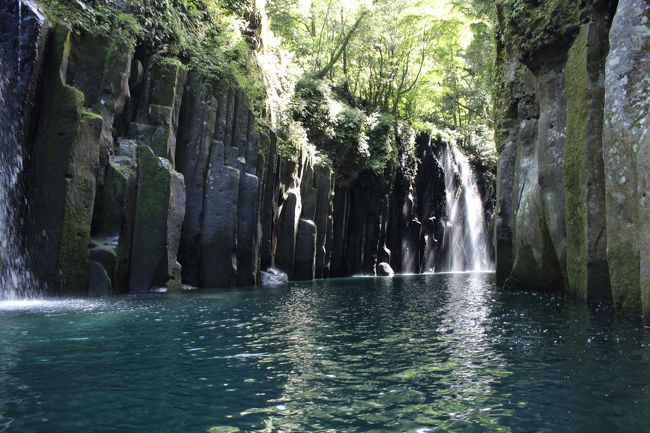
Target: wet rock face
{"x":626,"y":155}
{"x":570,"y":201}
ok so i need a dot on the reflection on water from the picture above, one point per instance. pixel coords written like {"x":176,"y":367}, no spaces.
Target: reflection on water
{"x":415,"y":353}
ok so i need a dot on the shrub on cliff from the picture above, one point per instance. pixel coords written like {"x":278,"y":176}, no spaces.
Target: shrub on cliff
{"x":211,"y":37}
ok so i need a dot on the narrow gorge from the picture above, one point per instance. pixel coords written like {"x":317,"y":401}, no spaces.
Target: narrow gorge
{"x":225,"y":216}
{"x":144,"y":174}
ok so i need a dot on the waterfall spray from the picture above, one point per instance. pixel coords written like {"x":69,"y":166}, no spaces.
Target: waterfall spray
{"x":16,"y":281}
{"x":465,"y":241}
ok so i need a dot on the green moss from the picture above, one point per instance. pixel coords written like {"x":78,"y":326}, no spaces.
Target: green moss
{"x":73,"y":256}
{"x":576,"y":165}
{"x":153,"y":198}
{"x":199,"y":33}
{"x":101,"y":19}
{"x":531,"y":25}
{"x":167,"y":72}
{"x":59,"y":127}
{"x":89,"y":115}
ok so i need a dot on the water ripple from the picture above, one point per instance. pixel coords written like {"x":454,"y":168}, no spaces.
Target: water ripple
{"x":416,"y":353}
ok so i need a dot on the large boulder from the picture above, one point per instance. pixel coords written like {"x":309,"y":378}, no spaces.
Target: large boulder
{"x":384,"y":270}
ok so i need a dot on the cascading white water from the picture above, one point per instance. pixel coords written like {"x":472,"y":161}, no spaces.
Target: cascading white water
{"x":16,"y":281}
{"x":465,"y":241}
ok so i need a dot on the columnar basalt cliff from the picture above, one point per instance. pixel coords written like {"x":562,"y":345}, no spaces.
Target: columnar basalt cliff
{"x":571,"y":209}
{"x":146,"y":173}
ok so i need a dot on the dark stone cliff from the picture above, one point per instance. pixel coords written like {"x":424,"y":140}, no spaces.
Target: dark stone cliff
{"x":143,"y":174}
{"x":572,"y":213}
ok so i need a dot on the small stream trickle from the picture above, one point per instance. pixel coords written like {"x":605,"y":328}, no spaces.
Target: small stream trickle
{"x":465,"y":240}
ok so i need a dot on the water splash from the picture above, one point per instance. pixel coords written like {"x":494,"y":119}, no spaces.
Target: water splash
{"x":16,"y":281}
{"x":465,"y":241}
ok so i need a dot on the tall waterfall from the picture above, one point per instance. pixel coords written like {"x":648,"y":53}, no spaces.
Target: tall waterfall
{"x":16,"y":281}
{"x":465,"y":240}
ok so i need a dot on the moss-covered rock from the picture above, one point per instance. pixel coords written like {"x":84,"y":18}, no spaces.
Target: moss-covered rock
{"x":160,"y":101}
{"x":587,"y":269}
{"x":159,"y":211}
{"x":626,"y":156}
{"x":63,"y":175}
{"x":540,"y":31}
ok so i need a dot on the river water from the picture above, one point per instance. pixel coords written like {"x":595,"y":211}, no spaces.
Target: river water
{"x":448,"y":353}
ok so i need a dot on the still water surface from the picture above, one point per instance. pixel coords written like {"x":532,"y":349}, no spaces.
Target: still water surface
{"x":448,"y":353}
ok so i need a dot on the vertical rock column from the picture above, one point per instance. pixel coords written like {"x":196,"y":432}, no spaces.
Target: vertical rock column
{"x":221,"y":199}
{"x":65,"y":158}
{"x":269,"y":194}
{"x":159,"y":212}
{"x":306,"y":238}
{"x":160,"y":203}
{"x":196,"y":131}
{"x":160,"y":101}
{"x":535,"y":264}
{"x":323,"y":219}
{"x":626,"y":153}
{"x":550,"y":156}
{"x":248,"y":217}
{"x":587,"y":269}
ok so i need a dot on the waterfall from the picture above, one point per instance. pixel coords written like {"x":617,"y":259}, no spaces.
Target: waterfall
{"x":16,"y":281}
{"x":465,"y":240}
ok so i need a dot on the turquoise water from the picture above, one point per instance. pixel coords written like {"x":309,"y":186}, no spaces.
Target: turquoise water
{"x":447,"y":353}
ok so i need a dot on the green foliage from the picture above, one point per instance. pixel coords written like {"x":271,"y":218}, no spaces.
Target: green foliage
{"x":382,"y":144}
{"x":101,"y":19}
{"x":312,"y":105}
{"x":206,"y":35}
{"x":530,"y":25}
{"x":410,"y":58}
{"x":338,"y":130}
{"x":292,"y":138}
{"x":351,"y":128}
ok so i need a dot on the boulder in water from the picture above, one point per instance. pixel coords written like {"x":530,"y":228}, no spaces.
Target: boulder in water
{"x":273,"y":277}
{"x":384,"y":270}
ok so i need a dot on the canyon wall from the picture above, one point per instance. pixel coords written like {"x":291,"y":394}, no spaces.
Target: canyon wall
{"x":146,"y":174}
{"x":571,"y":212}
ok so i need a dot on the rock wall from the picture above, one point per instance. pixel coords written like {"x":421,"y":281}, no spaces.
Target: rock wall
{"x":145,"y":174}
{"x":573,"y":88}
